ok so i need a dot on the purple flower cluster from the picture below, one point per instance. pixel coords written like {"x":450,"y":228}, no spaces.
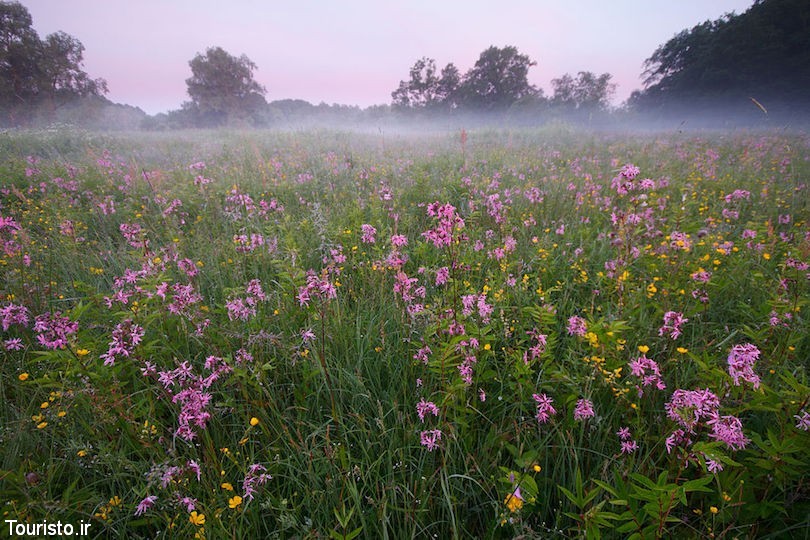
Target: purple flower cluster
{"x":430,"y":439}
{"x":53,"y":330}
{"x":672,"y":324}
{"x":318,"y":287}
{"x":449,"y":221}
{"x":649,"y":373}
{"x":577,"y":326}
{"x":14,"y":314}
{"x":368,"y":234}
{"x":125,"y":337}
{"x":628,"y":444}
{"x":545,"y":408}
{"x":256,"y":475}
{"x":690,"y":408}
{"x":584,"y":409}
{"x":741,"y":361}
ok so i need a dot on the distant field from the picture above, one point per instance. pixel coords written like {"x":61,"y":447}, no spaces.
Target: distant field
{"x":321,"y":334}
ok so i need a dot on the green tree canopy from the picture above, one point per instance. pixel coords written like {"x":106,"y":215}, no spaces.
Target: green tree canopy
{"x":426,"y":89}
{"x":498,"y":79}
{"x":38,"y":74}
{"x":222,"y":88}
{"x":587,"y":91}
{"x":763,"y":54}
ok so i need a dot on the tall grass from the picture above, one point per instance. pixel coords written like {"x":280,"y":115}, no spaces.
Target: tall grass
{"x":300,"y":398}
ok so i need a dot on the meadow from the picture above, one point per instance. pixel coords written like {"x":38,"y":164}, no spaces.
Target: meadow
{"x":493,"y":334}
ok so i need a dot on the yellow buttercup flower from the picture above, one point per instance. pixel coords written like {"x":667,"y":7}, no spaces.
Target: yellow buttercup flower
{"x":197,"y":519}
{"x":513,"y":502}
{"x":234,"y":501}
{"x":254,"y":421}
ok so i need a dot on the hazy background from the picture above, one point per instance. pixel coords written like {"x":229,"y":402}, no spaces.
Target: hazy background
{"x":356,"y":52}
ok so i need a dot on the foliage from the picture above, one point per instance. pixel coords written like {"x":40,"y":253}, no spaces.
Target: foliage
{"x":498,"y":79}
{"x":484,"y":335}
{"x":425,"y":89}
{"x":760,"y":54}
{"x":38,"y":74}
{"x":222,"y":88}
{"x":587,"y":92}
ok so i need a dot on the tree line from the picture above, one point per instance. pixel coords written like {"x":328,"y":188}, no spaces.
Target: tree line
{"x":756,"y":62}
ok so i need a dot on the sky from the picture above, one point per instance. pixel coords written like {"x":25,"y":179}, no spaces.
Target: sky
{"x":355,"y":52}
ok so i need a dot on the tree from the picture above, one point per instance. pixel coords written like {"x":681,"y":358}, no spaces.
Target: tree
{"x":498,"y":79}
{"x":60,"y":69}
{"x":587,"y":92}
{"x":36,"y":73}
{"x":763,"y":53}
{"x":222,"y":87}
{"x":426,"y":90}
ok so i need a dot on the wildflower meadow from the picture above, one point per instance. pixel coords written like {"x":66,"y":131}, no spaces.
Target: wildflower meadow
{"x":486,"y":334}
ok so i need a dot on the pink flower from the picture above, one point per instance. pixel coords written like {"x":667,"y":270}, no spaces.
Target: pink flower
{"x":442,"y":275}
{"x":256,"y":475}
{"x":729,"y":430}
{"x":424,"y":407}
{"x":649,"y":373}
{"x":145,"y":505}
{"x":741,"y":361}
{"x":803,"y":421}
{"x":672,"y":324}
{"x":628,"y":447}
{"x":368,"y":233}
{"x":430,"y":439}
{"x":14,"y":314}
{"x":577,"y":326}
{"x":399,"y":240}
{"x":545,"y":407}
{"x":688,"y":407}
{"x":583,"y":410}
{"x":53,"y":330}
{"x":713,"y":466}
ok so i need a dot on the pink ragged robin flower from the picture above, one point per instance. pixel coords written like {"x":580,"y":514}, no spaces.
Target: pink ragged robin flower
{"x":430,"y":439}
{"x":741,"y":361}
{"x":545,"y":408}
{"x":424,"y":407}
{"x":584,"y":409}
{"x":673,"y":321}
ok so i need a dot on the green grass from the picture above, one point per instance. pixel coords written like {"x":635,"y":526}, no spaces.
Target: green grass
{"x":338,"y":430}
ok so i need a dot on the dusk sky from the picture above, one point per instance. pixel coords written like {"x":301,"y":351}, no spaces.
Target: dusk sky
{"x":355,"y":52}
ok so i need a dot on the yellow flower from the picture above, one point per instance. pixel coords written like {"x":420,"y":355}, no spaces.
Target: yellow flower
{"x":44,"y":405}
{"x":197,"y":519}
{"x":643,"y":349}
{"x":115,"y":501}
{"x":682,"y":350}
{"x":42,"y":425}
{"x":82,"y":352}
{"x":234,"y":501}
{"x":23,"y":376}
{"x":713,"y":509}
{"x":537,"y":468}
{"x":254,"y":421}
{"x":513,"y":503}
{"x":81,"y":453}
{"x":227,"y":486}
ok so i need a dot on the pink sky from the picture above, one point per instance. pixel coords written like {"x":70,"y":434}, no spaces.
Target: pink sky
{"x":355,"y":52}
